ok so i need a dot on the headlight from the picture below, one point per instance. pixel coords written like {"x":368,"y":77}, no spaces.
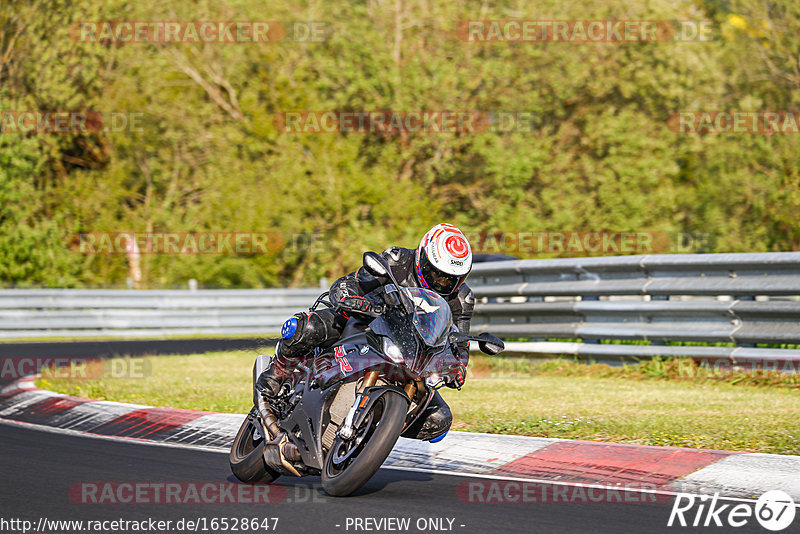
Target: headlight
{"x":392,"y":350}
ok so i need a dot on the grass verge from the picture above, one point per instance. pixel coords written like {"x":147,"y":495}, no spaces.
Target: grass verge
{"x":658,"y":402}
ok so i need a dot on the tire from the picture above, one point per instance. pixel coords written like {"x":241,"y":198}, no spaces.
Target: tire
{"x":380,"y":432}
{"x":247,"y":456}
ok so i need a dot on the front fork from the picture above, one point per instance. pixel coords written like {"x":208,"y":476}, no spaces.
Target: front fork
{"x":354,"y":417}
{"x":346,"y":431}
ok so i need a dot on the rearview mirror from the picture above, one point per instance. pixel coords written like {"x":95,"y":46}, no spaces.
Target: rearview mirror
{"x":458,"y":337}
{"x":375,"y":265}
{"x":490,"y":344}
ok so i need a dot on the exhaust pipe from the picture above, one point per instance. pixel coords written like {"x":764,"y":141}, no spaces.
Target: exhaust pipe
{"x":278,"y":451}
{"x":267,"y":417}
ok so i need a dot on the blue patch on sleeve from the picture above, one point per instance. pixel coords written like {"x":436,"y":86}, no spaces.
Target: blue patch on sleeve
{"x":289,"y":328}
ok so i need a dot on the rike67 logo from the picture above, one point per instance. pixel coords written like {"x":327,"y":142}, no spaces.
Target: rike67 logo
{"x":774,"y":510}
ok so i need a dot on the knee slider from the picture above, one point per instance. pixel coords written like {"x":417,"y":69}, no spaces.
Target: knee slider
{"x":440,"y":420}
{"x":436,"y":424}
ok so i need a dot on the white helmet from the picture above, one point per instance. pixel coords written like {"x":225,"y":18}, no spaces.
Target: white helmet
{"x":444,"y":259}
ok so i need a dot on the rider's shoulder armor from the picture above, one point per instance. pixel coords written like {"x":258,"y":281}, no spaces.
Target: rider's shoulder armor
{"x":462,"y":304}
{"x":466,"y":295}
{"x":394,"y":254}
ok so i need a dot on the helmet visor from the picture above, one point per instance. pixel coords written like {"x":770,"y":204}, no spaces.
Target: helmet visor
{"x":438,"y":281}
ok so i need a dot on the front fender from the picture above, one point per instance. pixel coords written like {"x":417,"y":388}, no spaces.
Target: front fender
{"x":370,"y":396}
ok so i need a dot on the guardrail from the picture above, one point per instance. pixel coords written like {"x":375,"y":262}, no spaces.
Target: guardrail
{"x":98,"y":312}
{"x":738,"y":299}
{"x":741,"y":300}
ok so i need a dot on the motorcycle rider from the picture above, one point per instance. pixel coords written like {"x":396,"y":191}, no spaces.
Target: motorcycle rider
{"x":441,"y":263}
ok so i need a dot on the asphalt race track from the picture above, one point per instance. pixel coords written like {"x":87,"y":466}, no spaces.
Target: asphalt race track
{"x":40,"y":468}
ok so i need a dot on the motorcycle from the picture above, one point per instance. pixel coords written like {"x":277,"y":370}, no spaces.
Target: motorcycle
{"x":340,"y":415}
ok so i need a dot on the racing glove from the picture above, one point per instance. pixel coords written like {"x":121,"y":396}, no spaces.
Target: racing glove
{"x":460,"y":377}
{"x":361,"y":305}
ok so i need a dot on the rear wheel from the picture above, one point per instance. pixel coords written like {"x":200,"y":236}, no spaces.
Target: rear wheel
{"x":350,"y":463}
{"x":247,"y":453}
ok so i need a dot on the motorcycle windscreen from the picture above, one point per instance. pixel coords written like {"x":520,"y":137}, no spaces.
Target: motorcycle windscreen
{"x":432,"y":316}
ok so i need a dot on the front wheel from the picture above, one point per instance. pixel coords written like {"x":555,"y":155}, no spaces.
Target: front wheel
{"x":350,"y":463}
{"x":247,"y":453}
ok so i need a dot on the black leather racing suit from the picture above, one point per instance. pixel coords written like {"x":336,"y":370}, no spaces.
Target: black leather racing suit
{"x":316,"y":328}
